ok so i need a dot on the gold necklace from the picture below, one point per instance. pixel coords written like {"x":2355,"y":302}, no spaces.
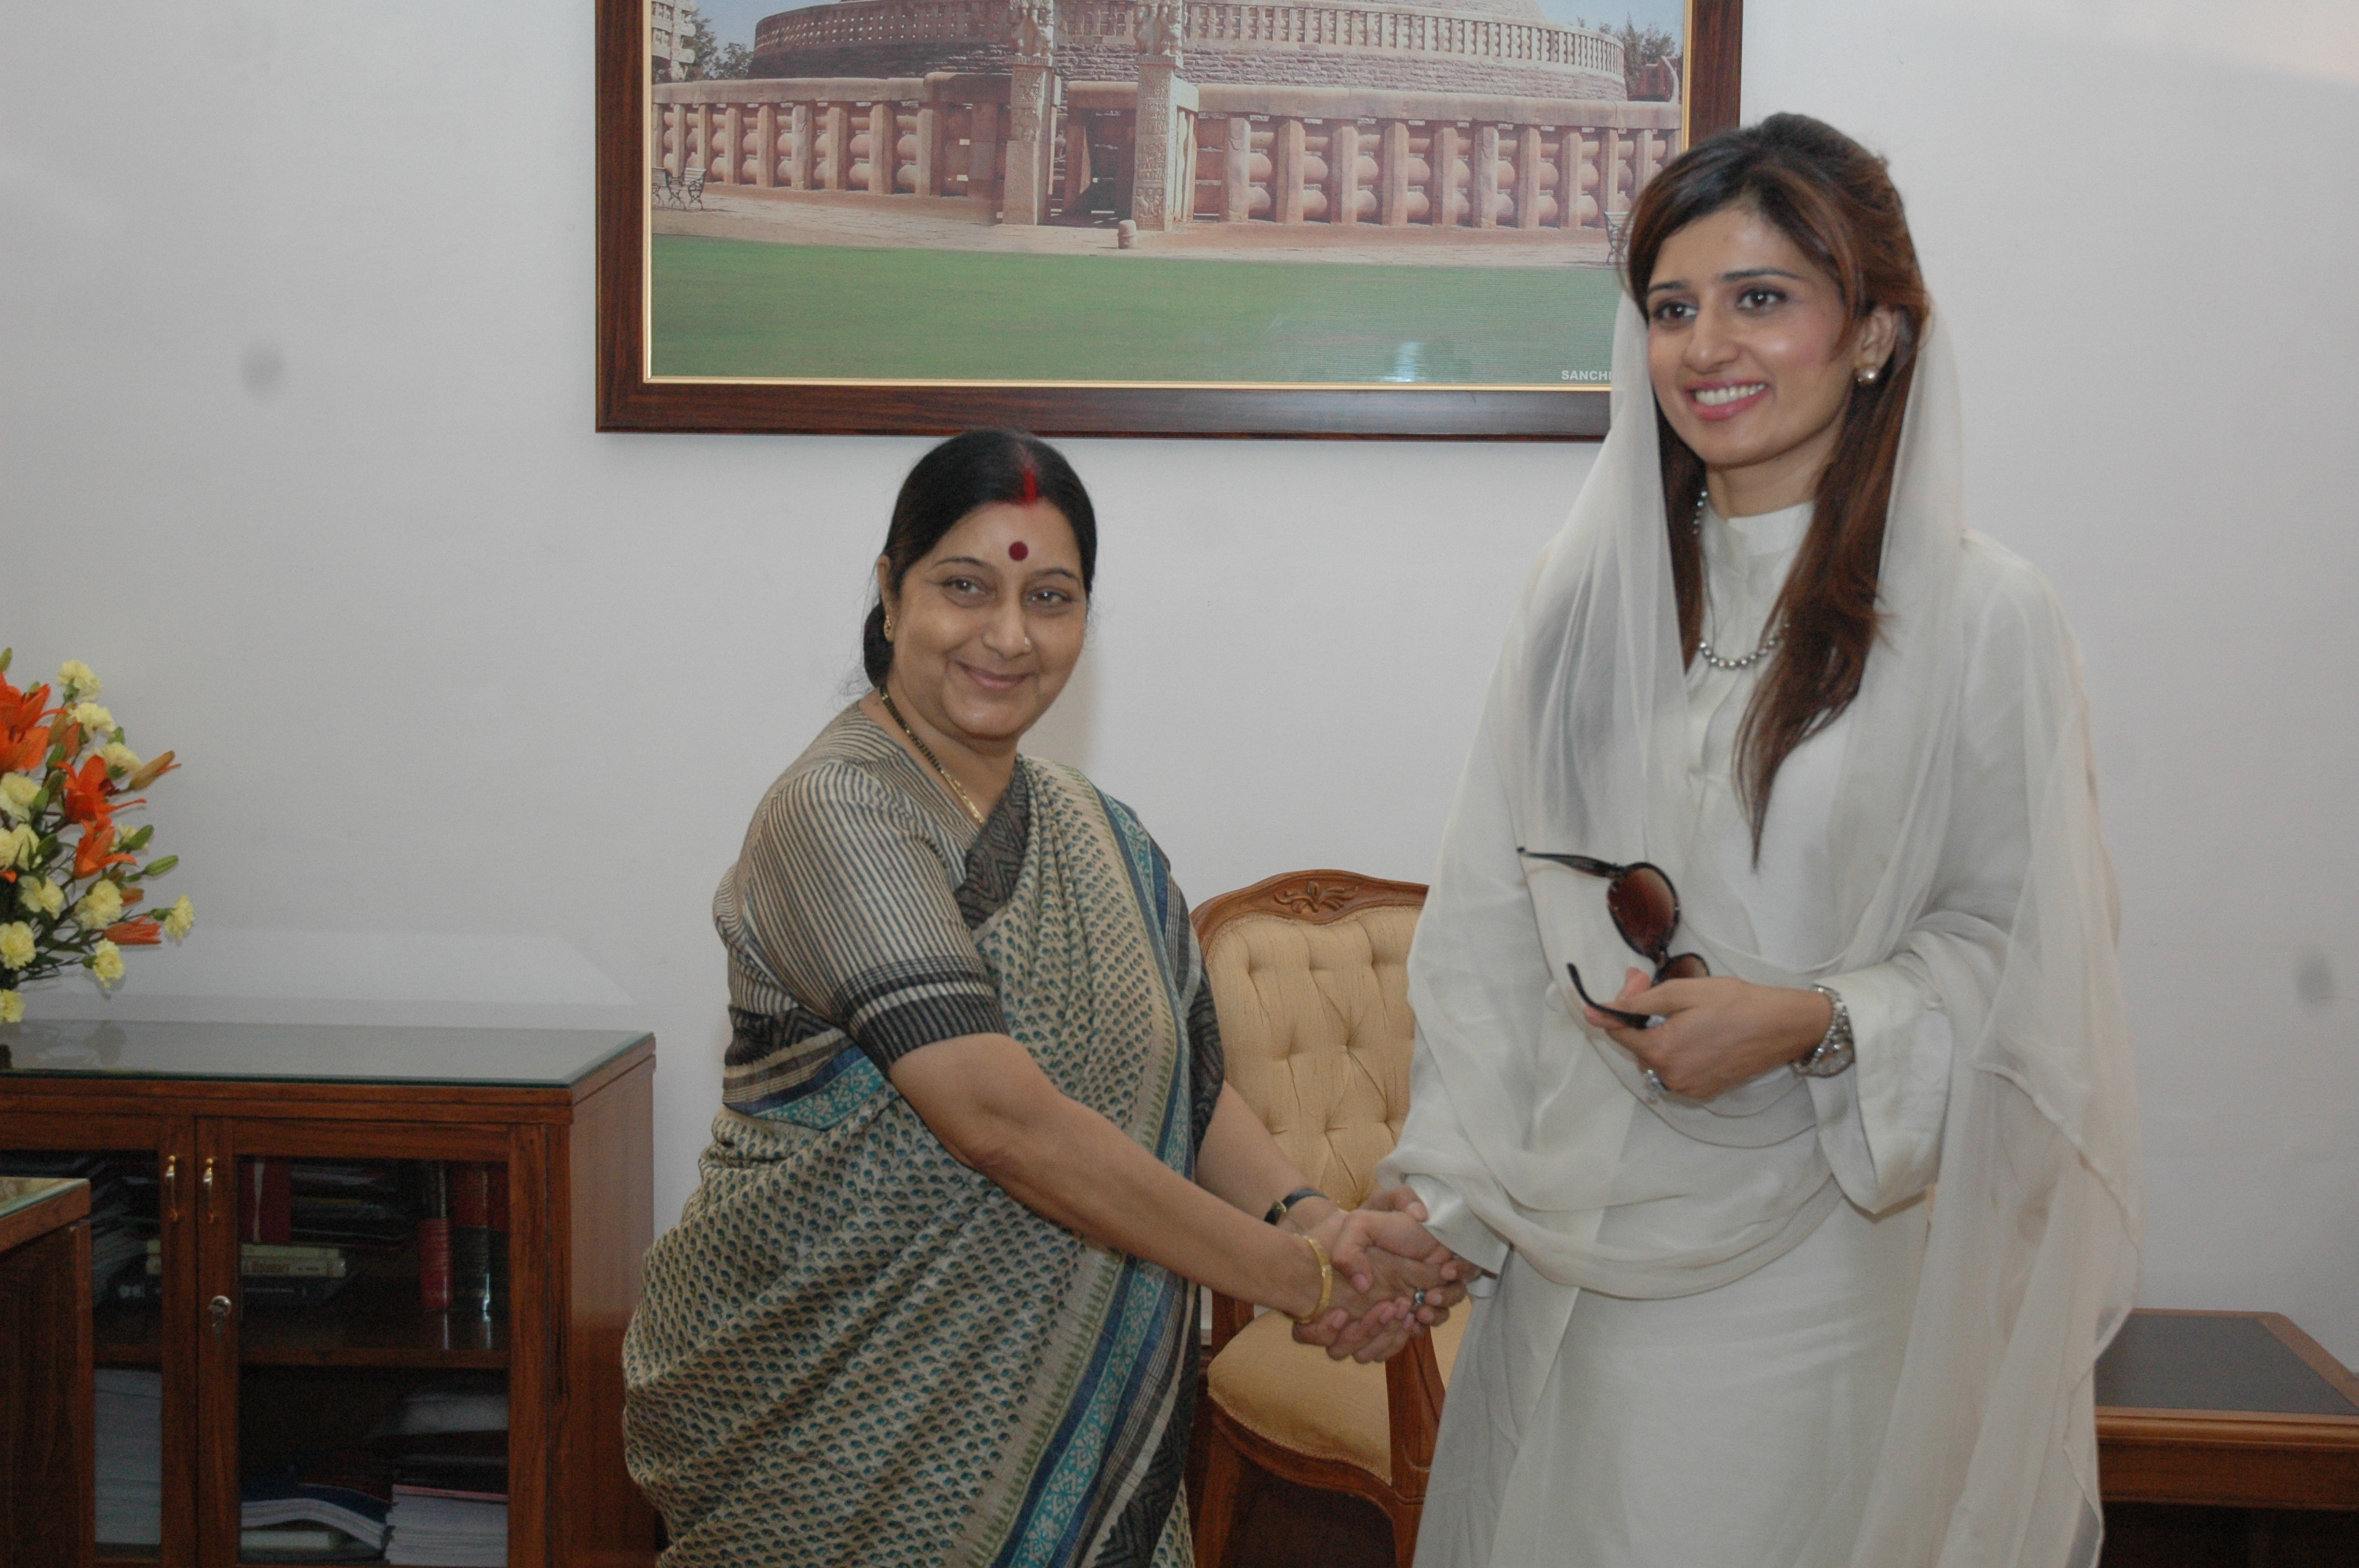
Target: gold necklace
{"x":927,"y":752}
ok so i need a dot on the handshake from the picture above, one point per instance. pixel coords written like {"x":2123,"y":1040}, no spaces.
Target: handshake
{"x":1393,"y":1279}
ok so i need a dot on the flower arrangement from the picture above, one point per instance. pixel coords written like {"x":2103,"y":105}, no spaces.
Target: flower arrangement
{"x":62,"y":768}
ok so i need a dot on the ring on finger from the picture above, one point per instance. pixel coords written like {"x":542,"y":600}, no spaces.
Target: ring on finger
{"x":1417,"y":1299}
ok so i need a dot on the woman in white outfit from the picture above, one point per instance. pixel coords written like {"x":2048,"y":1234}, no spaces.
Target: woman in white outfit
{"x":1789,"y":770}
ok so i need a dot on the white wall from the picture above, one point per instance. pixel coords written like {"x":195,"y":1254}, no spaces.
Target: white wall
{"x":295,"y":448}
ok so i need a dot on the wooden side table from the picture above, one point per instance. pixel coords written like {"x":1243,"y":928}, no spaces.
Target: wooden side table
{"x":2226,"y":1436}
{"x":2228,"y":1409}
{"x":45,"y":1373}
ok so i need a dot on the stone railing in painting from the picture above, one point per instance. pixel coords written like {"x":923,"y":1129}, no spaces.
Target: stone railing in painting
{"x":1439,"y":159}
{"x":943,"y":135}
{"x":1233,"y":152}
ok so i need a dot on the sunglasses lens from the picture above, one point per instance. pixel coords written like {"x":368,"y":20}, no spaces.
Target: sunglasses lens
{"x":1686,"y":967}
{"x":1644,"y":906}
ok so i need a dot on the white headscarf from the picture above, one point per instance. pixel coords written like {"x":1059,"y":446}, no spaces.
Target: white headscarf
{"x":1525,"y":1115}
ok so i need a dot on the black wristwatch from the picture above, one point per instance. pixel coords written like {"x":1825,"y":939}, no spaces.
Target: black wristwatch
{"x":1279,"y":1209}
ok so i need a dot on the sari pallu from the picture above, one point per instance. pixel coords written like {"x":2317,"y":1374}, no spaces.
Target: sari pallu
{"x":856,"y":1350}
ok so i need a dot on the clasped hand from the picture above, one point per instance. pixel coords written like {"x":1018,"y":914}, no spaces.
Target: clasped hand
{"x":1716,"y":1032}
{"x":1383,"y":1256}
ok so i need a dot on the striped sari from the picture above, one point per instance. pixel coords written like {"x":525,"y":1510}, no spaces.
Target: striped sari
{"x":852,"y":1349}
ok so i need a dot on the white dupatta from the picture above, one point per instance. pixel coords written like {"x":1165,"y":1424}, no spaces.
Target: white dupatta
{"x":1521,"y":1117}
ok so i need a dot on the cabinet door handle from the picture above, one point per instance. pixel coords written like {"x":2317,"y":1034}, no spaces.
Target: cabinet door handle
{"x":218,"y":1309}
{"x":172,"y":1188}
{"x":206,"y":1182}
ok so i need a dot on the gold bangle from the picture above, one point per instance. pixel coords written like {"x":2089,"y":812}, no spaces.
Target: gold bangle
{"x":1326,"y":1282}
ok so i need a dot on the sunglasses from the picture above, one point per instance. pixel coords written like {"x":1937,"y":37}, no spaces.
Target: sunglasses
{"x":1646,"y":911}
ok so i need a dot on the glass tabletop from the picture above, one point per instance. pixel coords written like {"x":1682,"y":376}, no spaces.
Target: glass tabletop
{"x":532,"y":1059}
{"x":23,"y":1192}
{"x":2210,"y":1361}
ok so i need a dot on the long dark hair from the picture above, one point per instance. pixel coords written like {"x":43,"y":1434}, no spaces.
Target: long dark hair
{"x":1833,"y":200}
{"x":950,"y":481}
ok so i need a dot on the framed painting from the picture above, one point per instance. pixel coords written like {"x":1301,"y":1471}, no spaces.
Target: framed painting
{"x":1286,"y":218}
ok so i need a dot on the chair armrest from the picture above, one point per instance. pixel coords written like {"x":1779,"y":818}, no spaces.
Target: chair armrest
{"x":1413,"y":1394}
{"x":1229,"y":1315}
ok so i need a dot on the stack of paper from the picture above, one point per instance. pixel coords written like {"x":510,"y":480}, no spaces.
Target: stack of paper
{"x":449,"y":1492}
{"x":129,"y":1416}
{"x":448,"y":1529}
{"x":303,"y":1544}
{"x":320,"y":1507}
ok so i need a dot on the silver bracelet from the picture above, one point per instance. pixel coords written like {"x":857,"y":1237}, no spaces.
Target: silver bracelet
{"x":1832,"y":1053}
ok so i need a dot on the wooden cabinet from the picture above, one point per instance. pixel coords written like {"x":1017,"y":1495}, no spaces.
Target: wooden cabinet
{"x":188,"y":1131}
{"x":44,"y":1452}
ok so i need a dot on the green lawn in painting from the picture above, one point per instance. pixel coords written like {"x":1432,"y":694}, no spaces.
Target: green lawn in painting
{"x":741,"y":308}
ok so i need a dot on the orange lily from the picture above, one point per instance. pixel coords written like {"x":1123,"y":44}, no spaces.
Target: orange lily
{"x":22,"y":754}
{"x":21,"y":710}
{"x":92,"y":855}
{"x":86,"y":794}
{"x":140,"y":933}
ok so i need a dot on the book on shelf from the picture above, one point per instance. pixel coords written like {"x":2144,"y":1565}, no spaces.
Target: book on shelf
{"x":471,"y":1236}
{"x":434,"y":1239}
{"x":280,"y":1291}
{"x":255,"y":1257}
{"x":266,"y":1200}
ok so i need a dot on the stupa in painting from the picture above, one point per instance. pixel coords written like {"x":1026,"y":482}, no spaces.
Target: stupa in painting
{"x":1502,"y":46}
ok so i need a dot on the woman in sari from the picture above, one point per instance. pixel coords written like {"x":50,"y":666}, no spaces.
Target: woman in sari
{"x":1771,"y":718}
{"x":932,"y":1301}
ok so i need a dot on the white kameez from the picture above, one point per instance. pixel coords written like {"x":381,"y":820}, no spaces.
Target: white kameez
{"x":1702,"y":1349}
{"x":1737,"y":1427}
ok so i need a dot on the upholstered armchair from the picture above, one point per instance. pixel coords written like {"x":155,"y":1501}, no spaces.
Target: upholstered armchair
{"x":1310,"y":973}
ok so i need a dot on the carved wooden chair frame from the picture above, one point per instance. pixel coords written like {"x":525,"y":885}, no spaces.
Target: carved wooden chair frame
{"x":1236,"y":1456}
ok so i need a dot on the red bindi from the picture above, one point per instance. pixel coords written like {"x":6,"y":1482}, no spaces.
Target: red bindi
{"x":1018,"y":550}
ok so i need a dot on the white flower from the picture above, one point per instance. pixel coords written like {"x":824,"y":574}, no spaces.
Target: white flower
{"x":100,"y":907}
{"x":41,"y":895}
{"x":78,"y":681}
{"x":12,"y":1008}
{"x":17,"y":793}
{"x":120,"y":758}
{"x":16,"y":944}
{"x":106,"y":963}
{"x":17,"y":847}
{"x":93,"y":717}
{"x":179,"y":919}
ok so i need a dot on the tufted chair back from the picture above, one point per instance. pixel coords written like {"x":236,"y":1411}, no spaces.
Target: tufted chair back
{"x":1309,"y":972}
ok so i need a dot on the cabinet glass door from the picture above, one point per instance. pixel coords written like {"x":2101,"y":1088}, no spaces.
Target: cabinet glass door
{"x":358,"y":1298}
{"x":139,"y":1173}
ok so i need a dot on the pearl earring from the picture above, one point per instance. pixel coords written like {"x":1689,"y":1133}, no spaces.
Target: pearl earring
{"x":1867,"y":376}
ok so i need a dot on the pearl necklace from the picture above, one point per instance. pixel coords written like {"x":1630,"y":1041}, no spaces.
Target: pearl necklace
{"x":927,"y":752}
{"x":1703,"y":643}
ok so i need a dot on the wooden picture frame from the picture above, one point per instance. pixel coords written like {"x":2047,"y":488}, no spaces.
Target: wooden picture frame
{"x":629,"y":397}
